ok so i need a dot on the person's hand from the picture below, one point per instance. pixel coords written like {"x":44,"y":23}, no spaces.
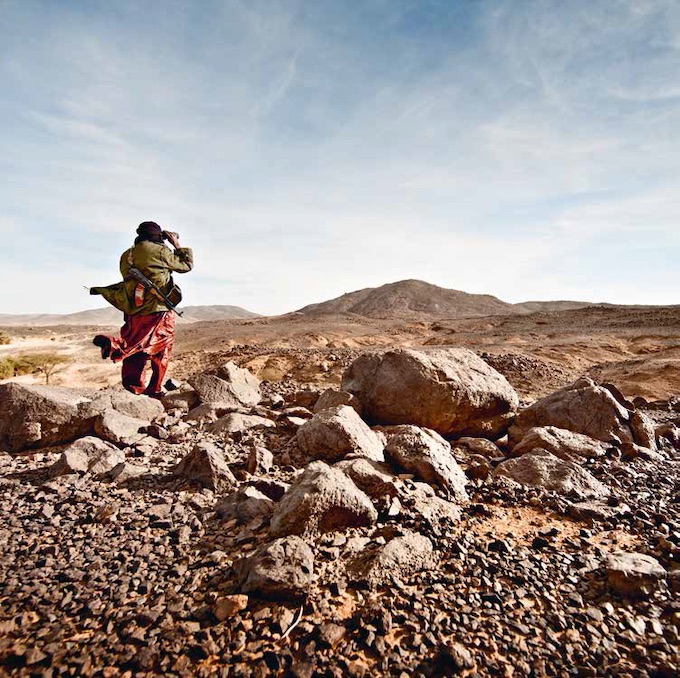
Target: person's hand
{"x":173,"y":238}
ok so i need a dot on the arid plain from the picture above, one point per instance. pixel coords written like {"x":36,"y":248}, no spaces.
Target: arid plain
{"x":270,"y":519}
{"x":635,"y":347}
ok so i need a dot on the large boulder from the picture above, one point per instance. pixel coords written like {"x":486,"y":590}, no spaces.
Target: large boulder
{"x":33,"y":416}
{"x":322,"y":499}
{"x":39,"y":416}
{"x":334,"y":433}
{"x":451,"y":391}
{"x":427,"y":455}
{"x":88,"y":455}
{"x":540,"y":468}
{"x":583,"y":407}
{"x":281,"y":570}
{"x":230,"y":386}
{"x":563,"y":444}
{"x":206,"y":465}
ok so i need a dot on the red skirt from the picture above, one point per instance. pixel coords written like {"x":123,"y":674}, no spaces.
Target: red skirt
{"x":150,"y":334}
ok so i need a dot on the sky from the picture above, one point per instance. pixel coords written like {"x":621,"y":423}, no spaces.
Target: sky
{"x":527,"y":149}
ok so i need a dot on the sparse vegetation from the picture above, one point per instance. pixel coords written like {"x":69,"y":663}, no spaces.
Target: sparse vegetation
{"x":46,"y":364}
{"x":7,"y":366}
{"x":5,"y":339}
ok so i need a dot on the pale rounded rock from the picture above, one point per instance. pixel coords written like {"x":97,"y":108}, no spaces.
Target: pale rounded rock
{"x":452,"y":391}
{"x":88,"y":455}
{"x":633,"y":574}
{"x":540,"y":468}
{"x":334,"y":433}
{"x":322,"y":499}
{"x":564,"y":444}
{"x":583,"y":407}
{"x":427,"y":455}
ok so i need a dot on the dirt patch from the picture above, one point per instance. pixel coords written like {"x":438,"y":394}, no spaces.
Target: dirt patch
{"x":518,"y":525}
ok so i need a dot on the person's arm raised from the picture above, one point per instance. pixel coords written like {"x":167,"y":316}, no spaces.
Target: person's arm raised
{"x":182,"y":259}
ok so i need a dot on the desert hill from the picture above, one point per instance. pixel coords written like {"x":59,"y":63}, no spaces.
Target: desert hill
{"x":412,"y":299}
{"x":419,"y":300}
{"x":111,"y":316}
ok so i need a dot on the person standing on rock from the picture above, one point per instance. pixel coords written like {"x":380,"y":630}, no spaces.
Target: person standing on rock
{"x":148,"y":334}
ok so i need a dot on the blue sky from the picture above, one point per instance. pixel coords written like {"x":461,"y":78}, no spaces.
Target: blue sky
{"x":306,"y":148}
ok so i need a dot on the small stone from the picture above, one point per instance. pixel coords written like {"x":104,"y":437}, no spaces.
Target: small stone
{"x":260,"y":460}
{"x":331,"y":634}
{"x":539,"y":542}
{"x":282,"y":569}
{"x":34,"y":656}
{"x":229,"y":606}
{"x":206,"y":465}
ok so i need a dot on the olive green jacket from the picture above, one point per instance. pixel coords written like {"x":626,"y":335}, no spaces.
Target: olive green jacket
{"x":157,"y":262}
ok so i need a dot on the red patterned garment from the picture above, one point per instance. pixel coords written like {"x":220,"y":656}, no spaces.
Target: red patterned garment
{"x":144,"y":339}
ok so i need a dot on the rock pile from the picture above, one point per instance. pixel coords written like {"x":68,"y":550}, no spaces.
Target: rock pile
{"x":414,"y":522}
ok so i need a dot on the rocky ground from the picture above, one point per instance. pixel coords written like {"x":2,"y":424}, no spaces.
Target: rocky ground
{"x":253,"y":528}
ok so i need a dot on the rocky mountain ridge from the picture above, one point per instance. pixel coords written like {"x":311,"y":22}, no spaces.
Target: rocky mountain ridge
{"x":420,"y":300}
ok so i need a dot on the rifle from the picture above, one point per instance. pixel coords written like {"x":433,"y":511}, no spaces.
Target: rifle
{"x":152,"y":288}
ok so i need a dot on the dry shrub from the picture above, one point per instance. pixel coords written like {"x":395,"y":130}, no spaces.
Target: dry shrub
{"x":7,"y":366}
{"x":40,"y":363}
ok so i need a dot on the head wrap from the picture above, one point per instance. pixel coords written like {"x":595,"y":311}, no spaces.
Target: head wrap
{"x":149,"y":230}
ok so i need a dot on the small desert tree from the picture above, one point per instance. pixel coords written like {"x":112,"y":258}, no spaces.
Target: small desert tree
{"x":5,"y":339}
{"x":41,"y":363}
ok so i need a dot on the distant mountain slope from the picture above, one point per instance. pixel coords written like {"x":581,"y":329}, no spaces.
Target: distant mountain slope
{"x":546,"y":306}
{"x":111,"y":316}
{"x":418,"y":300}
{"x":412,"y":299}
{"x":220,"y":312}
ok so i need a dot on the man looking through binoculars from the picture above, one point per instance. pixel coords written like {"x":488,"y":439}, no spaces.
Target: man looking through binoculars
{"x":147,"y":296}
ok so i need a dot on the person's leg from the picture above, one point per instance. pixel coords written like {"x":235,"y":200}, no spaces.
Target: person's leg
{"x":132,"y":372}
{"x":159,"y":366}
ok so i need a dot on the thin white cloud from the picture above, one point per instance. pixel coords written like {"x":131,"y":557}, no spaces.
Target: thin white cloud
{"x":305,"y":155}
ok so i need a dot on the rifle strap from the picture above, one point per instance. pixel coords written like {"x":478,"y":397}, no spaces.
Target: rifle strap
{"x":140,"y":290}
